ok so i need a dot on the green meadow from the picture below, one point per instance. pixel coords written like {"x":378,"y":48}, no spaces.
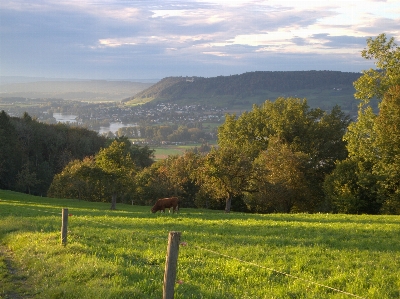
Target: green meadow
{"x":162,"y":152}
{"x":121,"y":254}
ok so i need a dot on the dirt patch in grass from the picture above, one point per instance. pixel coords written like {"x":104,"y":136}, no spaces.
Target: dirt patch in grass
{"x":13,"y":284}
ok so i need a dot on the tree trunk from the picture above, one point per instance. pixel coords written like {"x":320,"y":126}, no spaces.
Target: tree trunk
{"x":114,"y":201}
{"x":228,"y":204}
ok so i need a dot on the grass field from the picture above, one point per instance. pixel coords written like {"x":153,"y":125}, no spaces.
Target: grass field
{"x":162,"y":152}
{"x":121,"y":254}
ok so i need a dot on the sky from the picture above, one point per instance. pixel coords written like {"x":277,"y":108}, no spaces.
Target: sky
{"x":149,"y":39}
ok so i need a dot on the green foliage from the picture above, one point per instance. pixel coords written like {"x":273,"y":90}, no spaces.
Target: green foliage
{"x":279,"y":178}
{"x":26,"y":179}
{"x":351,"y":188}
{"x":110,"y":173}
{"x":79,"y":179}
{"x":121,"y":254}
{"x":310,"y":133}
{"x":375,"y":83}
{"x":10,"y":152}
{"x":387,"y":167}
{"x":173,"y":176}
{"x":32,"y":152}
{"x":118,"y":170}
{"x":225,"y":173}
{"x":373,"y":142}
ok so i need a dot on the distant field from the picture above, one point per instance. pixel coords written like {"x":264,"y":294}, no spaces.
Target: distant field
{"x":163,"y":152}
{"x":121,"y":254}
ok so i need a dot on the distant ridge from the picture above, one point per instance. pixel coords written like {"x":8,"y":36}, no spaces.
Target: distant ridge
{"x":80,"y":90}
{"x":243,"y":90}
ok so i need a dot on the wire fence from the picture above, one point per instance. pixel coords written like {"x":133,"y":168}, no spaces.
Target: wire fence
{"x":188,"y":244}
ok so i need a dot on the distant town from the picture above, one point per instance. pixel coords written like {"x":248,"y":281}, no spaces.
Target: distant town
{"x":114,"y":119}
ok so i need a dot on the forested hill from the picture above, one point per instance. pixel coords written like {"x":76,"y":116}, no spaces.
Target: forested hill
{"x":326,"y":88}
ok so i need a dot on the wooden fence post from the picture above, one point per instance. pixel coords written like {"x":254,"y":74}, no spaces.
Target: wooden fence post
{"x":64,"y":226}
{"x":171,"y":264}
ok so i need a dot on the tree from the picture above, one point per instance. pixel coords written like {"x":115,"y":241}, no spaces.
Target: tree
{"x":26,"y":179}
{"x":79,"y":179}
{"x":152,"y":183}
{"x":351,"y":188}
{"x":278,"y":176}
{"x":142,"y":156}
{"x":372,"y":141}
{"x":387,"y":166}
{"x":376,"y":82}
{"x":314,"y":132}
{"x":225,"y":174}
{"x":118,"y":170}
{"x":174,"y":175}
{"x":10,"y":153}
{"x":110,"y":173}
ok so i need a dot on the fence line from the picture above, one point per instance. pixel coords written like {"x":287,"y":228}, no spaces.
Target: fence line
{"x":276,"y":271}
{"x":222,"y":254}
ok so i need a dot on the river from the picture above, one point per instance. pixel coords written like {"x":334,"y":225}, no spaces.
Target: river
{"x":70,"y":118}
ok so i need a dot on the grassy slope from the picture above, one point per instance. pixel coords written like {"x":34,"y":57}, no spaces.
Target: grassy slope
{"x":121,"y":254}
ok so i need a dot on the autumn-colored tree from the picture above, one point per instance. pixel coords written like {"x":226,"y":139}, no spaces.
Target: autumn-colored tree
{"x":173,"y":176}
{"x":280,"y":181}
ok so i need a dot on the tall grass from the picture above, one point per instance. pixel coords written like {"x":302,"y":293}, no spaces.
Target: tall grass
{"x":121,"y":254}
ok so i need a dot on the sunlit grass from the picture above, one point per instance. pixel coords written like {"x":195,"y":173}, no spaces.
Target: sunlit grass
{"x":121,"y":254}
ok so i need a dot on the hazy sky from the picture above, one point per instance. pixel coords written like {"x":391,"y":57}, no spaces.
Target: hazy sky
{"x":124,"y":39}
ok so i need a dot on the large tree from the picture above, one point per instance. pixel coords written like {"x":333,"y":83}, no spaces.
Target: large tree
{"x":118,"y":170}
{"x":316,"y":133}
{"x":387,"y":166}
{"x":225,"y":174}
{"x":373,"y":142}
{"x":109,"y":174}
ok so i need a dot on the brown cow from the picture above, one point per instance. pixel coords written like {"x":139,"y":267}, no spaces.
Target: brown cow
{"x":166,"y":203}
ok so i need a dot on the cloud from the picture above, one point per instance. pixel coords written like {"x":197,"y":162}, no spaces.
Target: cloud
{"x":117,"y":38}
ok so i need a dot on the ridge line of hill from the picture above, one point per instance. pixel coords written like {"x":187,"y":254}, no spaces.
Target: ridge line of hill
{"x":248,"y":88}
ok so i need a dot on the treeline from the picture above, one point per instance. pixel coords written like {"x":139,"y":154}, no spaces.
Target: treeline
{"x":171,"y":133}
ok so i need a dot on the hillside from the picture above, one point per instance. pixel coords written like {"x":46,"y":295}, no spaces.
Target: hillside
{"x":322,"y":89}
